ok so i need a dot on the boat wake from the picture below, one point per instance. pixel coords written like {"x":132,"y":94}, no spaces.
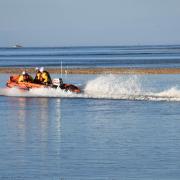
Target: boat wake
{"x":127,"y":88}
{"x":104,"y":87}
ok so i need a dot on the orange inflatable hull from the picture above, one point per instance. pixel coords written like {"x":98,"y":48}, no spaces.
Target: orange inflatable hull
{"x":13,"y":83}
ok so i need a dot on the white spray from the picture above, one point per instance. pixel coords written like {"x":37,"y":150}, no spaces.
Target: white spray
{"x":104,"y":86}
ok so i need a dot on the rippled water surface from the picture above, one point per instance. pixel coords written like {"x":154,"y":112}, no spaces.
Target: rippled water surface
{"x":95,"y":56}
{"x":120,"y":127}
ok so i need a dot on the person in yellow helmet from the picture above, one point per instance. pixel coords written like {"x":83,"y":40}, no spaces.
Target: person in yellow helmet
{"x":25,"y":77}
{"x":45,"y":77}
{"x":37,"y":78}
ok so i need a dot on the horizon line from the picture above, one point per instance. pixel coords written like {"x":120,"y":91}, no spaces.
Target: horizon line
{"x":90,"y":46}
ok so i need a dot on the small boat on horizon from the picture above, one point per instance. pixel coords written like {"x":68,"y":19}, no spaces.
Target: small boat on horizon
{"x":17,"y":46}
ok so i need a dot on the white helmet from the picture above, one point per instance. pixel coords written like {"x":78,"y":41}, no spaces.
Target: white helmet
{"x":36,"y":68}
{"x":24,"y":72}
{"x":41,"y":69}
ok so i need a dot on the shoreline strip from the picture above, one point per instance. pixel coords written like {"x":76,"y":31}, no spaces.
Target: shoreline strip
{"x":95,"y":70}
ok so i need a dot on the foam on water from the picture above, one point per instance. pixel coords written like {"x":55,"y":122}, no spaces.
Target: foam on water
{"x":127,"y":87}
{"x":39,"y":92}
{"x":104,"y":87}
{"x":113,"y":87}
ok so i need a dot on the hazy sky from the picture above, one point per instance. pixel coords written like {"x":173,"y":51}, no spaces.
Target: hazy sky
{"x":89,"y":22}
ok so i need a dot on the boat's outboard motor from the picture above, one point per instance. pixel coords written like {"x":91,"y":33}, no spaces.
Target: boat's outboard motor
{"x":58,"y":83}
{"x":61,"y":82}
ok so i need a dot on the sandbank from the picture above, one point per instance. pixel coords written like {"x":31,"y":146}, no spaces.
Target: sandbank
{"x":18,"y":70}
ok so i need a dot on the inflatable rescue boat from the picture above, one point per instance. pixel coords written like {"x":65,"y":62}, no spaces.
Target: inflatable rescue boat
{"x":13,"y":83}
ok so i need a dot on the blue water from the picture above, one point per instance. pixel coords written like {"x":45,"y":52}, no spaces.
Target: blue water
{"x":119,"y":127}
{"x":49,"y":138}
{"x":107,"y":56}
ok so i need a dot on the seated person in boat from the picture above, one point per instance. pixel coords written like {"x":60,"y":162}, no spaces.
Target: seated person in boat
{"x":37,"y":78}
{"x":25,"y":77}
{"x":45,"y":77}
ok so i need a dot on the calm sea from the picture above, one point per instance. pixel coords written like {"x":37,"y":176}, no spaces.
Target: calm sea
{"x":108,"y":56}
{"x":119,"y":127}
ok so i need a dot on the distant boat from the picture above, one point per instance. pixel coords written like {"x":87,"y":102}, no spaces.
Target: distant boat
{"x":17,"y":46}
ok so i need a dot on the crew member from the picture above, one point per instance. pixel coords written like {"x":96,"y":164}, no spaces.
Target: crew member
{"x":37,"y":78}
{"x":25,"y":77}
{"x":45,"y":77}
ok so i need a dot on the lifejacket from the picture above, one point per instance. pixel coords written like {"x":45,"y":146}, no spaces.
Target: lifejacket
{"x":37,"y":78}
{"x":45,"y":77}
{"x":22,"y":79}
